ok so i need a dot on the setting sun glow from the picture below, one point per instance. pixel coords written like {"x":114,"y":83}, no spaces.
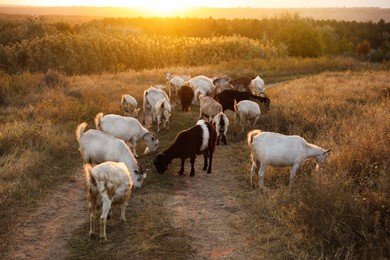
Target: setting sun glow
{"x":147,"y":7}
{"x":173,"y":7}
{"x":162,"y":8}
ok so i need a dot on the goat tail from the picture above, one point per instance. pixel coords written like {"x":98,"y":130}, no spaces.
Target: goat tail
{"x":80,"y":130}
{"x":123,"y":102}
{"x":88,"y":175}
{"x":98,"y":120}
{"x":251,"y":135}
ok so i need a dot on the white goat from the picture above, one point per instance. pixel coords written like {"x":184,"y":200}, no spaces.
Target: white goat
{"x":173,"y":87}
{"x":246,"y":110}
{"x":174,"y":83}
{"x":151,"y":96}
{"x":129,"y":106}
{"x":221,"y":123}
{"x":169,"y":76}
{"x":197,"y":93}
{"x":160,"y":87}
{"x":108,"y":183}
{"x":280,"y":150}
{"x":163,"y":113}
{"x":203,"y":82}
{"x":127,"y":129}
{"x":257,"y":85}
{"x":96,"y":147}
{"x":208,"y":107}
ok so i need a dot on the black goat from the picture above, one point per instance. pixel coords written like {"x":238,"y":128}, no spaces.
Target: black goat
{"x":226,"y":98}
{"x":186,"y":94}
{"x":199,"y":139}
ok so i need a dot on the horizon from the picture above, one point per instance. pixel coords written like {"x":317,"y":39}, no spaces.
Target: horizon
{"x":186,"y":4}
{"x":195,"y":7}
{"x":337,"y":13}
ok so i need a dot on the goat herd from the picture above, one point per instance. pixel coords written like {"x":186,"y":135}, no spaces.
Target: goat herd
{"x":117,"y":171}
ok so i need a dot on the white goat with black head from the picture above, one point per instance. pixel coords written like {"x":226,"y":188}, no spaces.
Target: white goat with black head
{"x":97,"y":147}
{"x":108,"y":184}
{"x":199,"y":139}
{"x":127,"y":129}
{"x":279,"y":150}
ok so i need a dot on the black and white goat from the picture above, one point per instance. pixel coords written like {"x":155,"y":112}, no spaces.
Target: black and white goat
{"x":199,"y":139}
{"x":221,"y":123}
{"x":226,"y":99}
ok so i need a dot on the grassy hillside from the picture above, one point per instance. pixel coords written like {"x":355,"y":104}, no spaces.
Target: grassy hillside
{"x":342,"y":212}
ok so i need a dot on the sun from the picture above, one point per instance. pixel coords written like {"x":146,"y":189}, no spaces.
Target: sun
{"x":159,"y":8}
{"x":162,"y":8}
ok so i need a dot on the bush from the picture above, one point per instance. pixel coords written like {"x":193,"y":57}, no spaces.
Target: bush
{"x":302,"y":40}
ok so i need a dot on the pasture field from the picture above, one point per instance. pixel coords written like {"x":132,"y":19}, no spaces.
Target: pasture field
{"x":342,"y":212}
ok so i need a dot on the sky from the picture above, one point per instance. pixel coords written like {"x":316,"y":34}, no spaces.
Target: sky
{"x":165,"y":4}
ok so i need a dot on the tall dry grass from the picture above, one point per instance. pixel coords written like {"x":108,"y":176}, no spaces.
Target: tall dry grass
{"x":344,"y":211}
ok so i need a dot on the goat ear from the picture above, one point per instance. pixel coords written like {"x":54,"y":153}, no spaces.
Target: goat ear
{"x":327,"y":151}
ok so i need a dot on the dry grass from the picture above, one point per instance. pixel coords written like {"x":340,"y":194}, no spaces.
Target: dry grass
{"x":341,"y":213}
{"x":344,"y":212}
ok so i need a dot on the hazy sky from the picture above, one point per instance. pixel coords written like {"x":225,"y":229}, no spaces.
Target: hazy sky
{"x":210,"y":3}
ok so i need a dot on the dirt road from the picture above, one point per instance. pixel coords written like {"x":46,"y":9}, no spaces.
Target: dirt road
{"x":204,"y":206}
{"x":45,"y":233}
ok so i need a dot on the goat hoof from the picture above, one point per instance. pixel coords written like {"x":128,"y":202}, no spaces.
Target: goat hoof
{"x":192,"y":174}
{"x":103,"y":240}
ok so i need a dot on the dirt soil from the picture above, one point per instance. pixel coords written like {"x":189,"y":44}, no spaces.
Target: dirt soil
{"x":45,"y":233}
{"x":205,"y":207}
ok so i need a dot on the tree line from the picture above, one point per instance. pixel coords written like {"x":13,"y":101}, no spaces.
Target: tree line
{"x":116,"y":44}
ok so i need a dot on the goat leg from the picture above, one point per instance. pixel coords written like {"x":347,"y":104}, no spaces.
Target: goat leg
{"x":210,"y":162}
{"x":205,"y":155}
{"x":181,"y":171}
{"x":192,"y":161}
